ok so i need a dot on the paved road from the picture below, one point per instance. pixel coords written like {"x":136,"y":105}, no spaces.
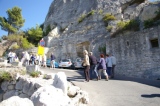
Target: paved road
{"x":121,"y":91}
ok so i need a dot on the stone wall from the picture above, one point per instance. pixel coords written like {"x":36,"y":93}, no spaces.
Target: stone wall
{"x":135,"y":55}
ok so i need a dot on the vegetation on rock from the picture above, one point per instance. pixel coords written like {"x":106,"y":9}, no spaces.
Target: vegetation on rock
{"x":153,"y":22}
{"x":108,"y":17}
{"x":92,"y":12}
{"x":128,"y":25}
{"x":109,"y":28}
{"x":83,"y":16}
{"x":10,"y":75}
{"x":102,"y":49}
{"x":5,"y":76}
{"x":35,"y":73}
{"x":100,"y":11}
{"x":21,"y":41}
{"x":48,"y":29}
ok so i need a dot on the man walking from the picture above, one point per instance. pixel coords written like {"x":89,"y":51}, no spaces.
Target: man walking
{"x":93,"y":63}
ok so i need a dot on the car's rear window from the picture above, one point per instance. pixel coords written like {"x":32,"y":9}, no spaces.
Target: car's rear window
{"x":65,"y":60}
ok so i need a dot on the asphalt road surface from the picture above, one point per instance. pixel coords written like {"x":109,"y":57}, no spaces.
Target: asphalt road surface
{"x":120,"y":91}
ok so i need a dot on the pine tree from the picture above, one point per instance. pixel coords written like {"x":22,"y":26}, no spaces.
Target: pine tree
{"x":35,"y":34}
{"x":13,"y":22}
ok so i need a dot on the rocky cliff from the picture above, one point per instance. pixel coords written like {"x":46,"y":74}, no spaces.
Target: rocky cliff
{"x":79,"y":24}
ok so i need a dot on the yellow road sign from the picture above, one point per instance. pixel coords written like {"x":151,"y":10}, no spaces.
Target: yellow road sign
{"x":40,"y":50}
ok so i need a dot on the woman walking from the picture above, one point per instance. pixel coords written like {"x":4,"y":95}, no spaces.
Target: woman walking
{"x":102,"y":67}
{"x":86,"y":65}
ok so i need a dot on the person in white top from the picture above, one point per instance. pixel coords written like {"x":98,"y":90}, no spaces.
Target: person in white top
{"x":37,"y":59}
{"x":27,"y":58}
{"x":109,"y":65}
{"x":113,"y":65}
{"x":44,"y":60}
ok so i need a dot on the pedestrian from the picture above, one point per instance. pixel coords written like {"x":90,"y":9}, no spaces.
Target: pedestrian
{"x":102,"y":67}
{"x":37,"y":59}
{"x":52,"y":60}
{"x":33,"y":58}
{"x":44,"y":60}
{"x":109,"y":65}
{"x":113,"y":65}
{"x":16,"y":58}
{"x":93,"y":63}
{"x":9,"y":57}
{"x":86,"y":65}
{"x":27,"y":58}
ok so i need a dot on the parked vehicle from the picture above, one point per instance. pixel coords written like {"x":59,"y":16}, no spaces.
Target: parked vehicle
{"x":78,"y":63}
{"x":65,"y":63}
{"x":48,"y":63}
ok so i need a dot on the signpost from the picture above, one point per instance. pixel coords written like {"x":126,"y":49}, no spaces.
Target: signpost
{"x":42,"y":42}
{"x":41,"y":47}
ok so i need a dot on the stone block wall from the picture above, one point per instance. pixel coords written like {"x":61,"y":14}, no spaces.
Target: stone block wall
{"x":135,"y":55}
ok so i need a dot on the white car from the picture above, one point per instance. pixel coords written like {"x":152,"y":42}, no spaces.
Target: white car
{"x":65,"y":63}
{"x":78,"y":63}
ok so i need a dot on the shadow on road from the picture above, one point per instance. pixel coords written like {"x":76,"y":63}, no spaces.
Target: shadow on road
{"x":79,"y":78}
{"x":155,"y":83}
{"x":150,"y":96}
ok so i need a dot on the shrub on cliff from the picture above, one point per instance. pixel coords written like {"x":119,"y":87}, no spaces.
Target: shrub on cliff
{"x":100,"y":11}
{"x":81,"y":18}
{"x":153,"y":22}
{"x":109,"y":28}
{"x":92,"y":12}
{"x":21,"y":41}
{"x":128,"y":25}
{"x":108,"y":17}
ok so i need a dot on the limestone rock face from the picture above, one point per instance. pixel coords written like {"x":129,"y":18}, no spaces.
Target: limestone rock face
{"x":49,"y":96}
{"x":60,"y":81}
{"x":149,"y":12}
{"x":4,"y":85}
{"x":9,"y":94}
{"x":67,"y":32}
{"x":55,"y":32}
{"x":16,"y":101}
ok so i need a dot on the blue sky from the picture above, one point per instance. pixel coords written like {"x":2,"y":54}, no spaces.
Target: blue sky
{"x":33,"y":11}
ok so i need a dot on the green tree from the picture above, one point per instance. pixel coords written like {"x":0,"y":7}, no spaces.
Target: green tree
{"x":35,"y":34}
{"x":13,"y":22}
{"x":22,"y":42}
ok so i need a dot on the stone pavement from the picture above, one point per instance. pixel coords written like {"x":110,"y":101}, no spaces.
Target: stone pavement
{"x":121,"y":91}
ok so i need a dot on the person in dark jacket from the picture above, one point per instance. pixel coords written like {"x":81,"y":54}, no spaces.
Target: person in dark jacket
{"x":93,"y":63}
{"x":102,"y":67}
{"x":52,"y":60}
{"x":33,"y":59}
